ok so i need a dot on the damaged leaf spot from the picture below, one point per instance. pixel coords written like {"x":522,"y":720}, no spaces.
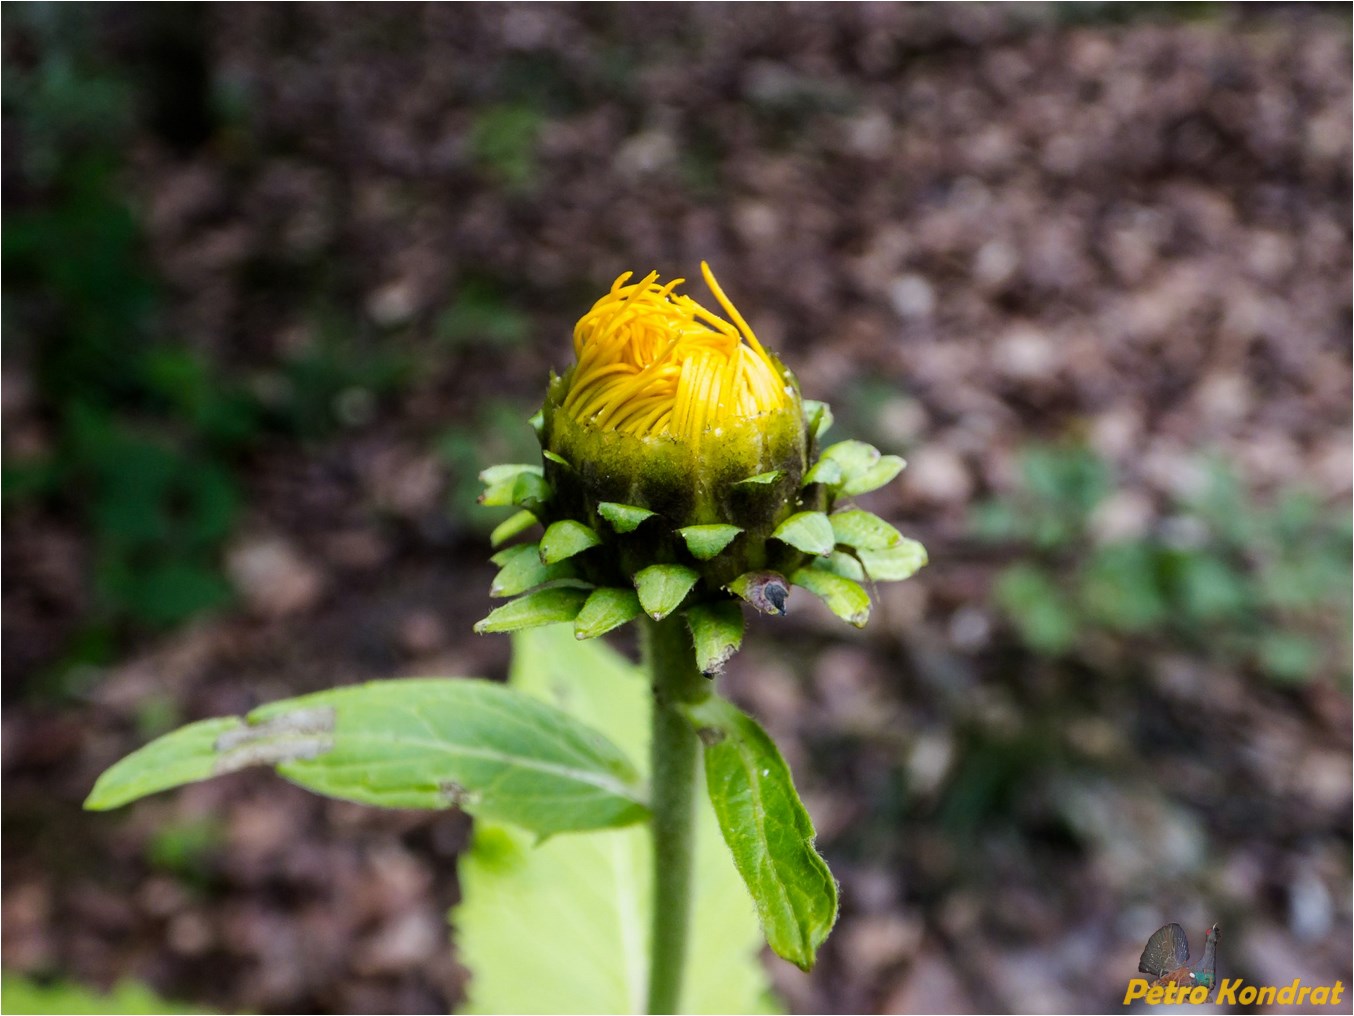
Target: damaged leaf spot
{"x":291,"y":737}
{"x":456,"y":795}
{"x":710,"y":736}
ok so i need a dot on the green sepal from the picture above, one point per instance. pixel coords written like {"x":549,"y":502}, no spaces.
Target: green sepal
{"x":530,"y":491}
{"x":513,"y":525}
{"x":624,"y":518}
{"x":863,"y":468}
{"x":564,"y":539}
{"x":761,"y":479}
{"x":840,"y":563}
{"x":894,"y":563}
{"x":500,"y":482}
{"x":863,"y":530}
{"x":522,"y":569}
{"x":537,"y":421}
{"x":604,"y":610}
{"x":716,"y":633}
{"x":545,"y":606}
{"x":557,"y":459}
{"x":705,"y":542}
{"x":881,"y":473}
{"x":765,"y":590}
{"x":810,"y":532}
{"x":818,"y":415}
{"x":767,"y":829}
{"x":825,"y":471}
{"x":843,"y":597}
{"x":663,"y":587}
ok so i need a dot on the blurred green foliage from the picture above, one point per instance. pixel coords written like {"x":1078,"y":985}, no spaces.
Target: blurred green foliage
{"x":1261,"y":585}
{"x":503,"y":140}
{"x":29,"y":995}
{"x":142,"y":431}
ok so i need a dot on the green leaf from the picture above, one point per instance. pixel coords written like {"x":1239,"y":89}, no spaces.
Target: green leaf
{"x":810,"y":532}
{"x":414,"y":743}
{"x":545,"y":606}
{"x":863,"y":530}
{"x":512,"y":526}
{"x":768,"y":831}
{"x":186,"y":755}
{"x":895,"y":563}
{"x":761,"y":479}
{"x":556,"y":458}
{"x":576,"y":910}
{"x":843,"y":597}
{"x":705,"y":542}
{"x":624,"y":518}
{"x":606,"y":609}
{"x":819,"y":416}
{"x":716,"y":632}
{"x":663,"y":587}
{"x":522,"y":570}
{"x":500,"y":482}
{"x":564,"y":539}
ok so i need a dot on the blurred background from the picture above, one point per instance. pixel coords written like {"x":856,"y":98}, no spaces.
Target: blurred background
{"x":278,"y":280}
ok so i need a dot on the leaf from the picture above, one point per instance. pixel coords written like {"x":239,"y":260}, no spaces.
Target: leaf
{"x":663,"y":587}
{"x":705,"y":542}
{"x":522,"y":570}
{"x":186,"y":755}
{"x":716,"y":632}
{"x":545,"y":606}
{"x":575,"y":910}
{"x":606,"y":609}
{"x":413,"y":743}
{"x":512,"y":526}
{"x":863,"y":530}
{"x":810,"y":532}
{"x":895,"y":563}
{"x":624,"y":518}
{"x":564,"y":539}
{"x":767,"y":829}
{"x":843,"y":597}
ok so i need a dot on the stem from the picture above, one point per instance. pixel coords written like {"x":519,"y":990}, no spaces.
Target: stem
{"x":674,"y":757}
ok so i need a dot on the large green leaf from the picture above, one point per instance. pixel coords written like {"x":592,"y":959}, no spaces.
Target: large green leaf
{"x":415,"y":743}
{"x":574,"y":911}
{"x":768,"y":830}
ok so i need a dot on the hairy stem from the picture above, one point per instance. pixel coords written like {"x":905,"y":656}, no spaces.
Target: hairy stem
{"x":674,"y":756}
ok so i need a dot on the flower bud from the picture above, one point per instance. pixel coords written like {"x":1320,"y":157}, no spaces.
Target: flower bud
{"x":676,"y":476}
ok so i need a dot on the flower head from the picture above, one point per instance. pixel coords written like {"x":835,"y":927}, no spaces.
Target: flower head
{"x":655,"y":363}
{"x":677,"y":477}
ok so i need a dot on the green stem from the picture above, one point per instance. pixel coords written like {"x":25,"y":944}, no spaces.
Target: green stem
{"x":674,"y":755}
